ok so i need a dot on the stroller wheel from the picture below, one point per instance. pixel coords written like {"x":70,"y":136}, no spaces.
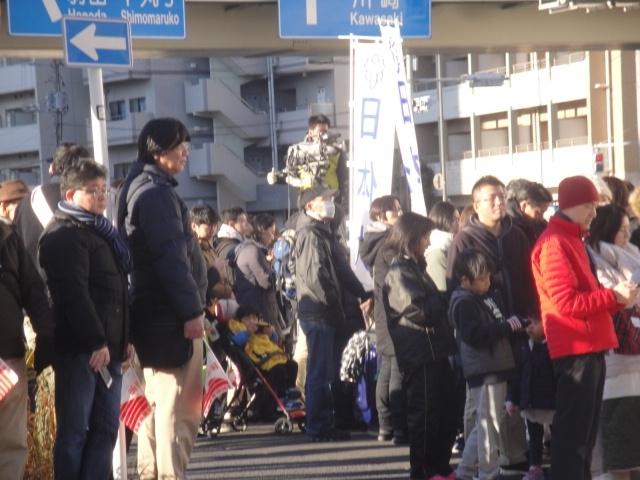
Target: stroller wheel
{"x":239,"y":424}
{"x":302,"y":424}
{"x":283,"y":426}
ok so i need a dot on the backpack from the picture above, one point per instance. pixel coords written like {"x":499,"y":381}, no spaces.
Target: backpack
{"x":283,"y":265}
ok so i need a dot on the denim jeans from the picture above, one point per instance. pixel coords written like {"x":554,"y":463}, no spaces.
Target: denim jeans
{"x":87,"y":415}
{"x":319,"y":400}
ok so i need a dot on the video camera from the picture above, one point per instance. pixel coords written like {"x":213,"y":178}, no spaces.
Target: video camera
{"x":306,"y":162}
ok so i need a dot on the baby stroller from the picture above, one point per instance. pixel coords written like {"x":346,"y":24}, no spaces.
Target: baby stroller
{"x":250,"y":380}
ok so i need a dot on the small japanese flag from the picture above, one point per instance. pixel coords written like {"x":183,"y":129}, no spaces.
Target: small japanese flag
{"x":8,"y":379}
{"x":134,"y":406}
{"x":216,"y":381}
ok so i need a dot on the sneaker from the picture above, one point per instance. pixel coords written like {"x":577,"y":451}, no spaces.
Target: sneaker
{"x":514,"y":470}
{"x":290,"y":404}
{"x":451,"y":476}
{"x":293,"y":393}
{"x":332,"y":435}
{"x":458,"y":446}
{"x":534,"y":473}
{"x":385,"y":436}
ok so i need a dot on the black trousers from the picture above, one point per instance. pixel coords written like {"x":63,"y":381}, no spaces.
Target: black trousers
{"x":575,"y":424}
{"x":431,"y":418}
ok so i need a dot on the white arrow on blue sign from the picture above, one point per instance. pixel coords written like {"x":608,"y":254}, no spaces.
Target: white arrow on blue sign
{"x":96,"y":43}
{"x":148,"y":18}
{"x":335,"y":18}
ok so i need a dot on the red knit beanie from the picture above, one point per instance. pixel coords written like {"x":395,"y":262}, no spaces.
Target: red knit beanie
{"x":576,"y":190}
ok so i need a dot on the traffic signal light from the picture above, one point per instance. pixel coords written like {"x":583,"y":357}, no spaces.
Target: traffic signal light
{"x":599,"y":162}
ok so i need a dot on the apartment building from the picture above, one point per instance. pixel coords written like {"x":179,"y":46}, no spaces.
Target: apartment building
{"x":557,"y":114}
{"x":31,"y":115}
{"x":235,"y":109}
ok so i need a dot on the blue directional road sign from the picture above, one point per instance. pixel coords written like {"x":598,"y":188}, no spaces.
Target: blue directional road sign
{"x":96,"y":43}
{"x":148,"y":18}
{"x":335,"y":18}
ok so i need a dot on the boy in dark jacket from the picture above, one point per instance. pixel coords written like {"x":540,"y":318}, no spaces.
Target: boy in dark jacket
{"x":532,"y":392}
{"x":487,"y":359}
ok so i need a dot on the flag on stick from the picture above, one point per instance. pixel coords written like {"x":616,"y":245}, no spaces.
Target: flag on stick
{"x":8,"y":379}
{"x":216,"y":381}
{"x":134,"y":406}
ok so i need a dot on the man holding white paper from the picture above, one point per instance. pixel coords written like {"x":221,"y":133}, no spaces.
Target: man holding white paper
{"x":86,"y":263}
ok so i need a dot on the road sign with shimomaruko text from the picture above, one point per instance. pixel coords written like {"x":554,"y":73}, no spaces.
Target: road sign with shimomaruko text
{"x":148,"y":18}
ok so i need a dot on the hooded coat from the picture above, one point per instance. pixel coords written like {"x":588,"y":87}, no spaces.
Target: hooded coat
{"x":509,"y":250}
{"x":377,"y":259}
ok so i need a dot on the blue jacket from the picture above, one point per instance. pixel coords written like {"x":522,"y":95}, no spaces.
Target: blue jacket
{"x":169,"y":280}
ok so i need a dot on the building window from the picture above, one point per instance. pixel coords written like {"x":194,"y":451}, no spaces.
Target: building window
{"x":120,"y":170}
{"x":138,"y":105}
{"x":18,"y":117}
{"x":31,"y":176}
{"x":117,"y":110}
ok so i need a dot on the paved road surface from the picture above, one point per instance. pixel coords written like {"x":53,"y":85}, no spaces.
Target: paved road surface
{"x":259,"y":453}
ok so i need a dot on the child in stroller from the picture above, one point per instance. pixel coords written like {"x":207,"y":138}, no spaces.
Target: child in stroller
{"x":254,"y":387}
{"x":259,"y":342}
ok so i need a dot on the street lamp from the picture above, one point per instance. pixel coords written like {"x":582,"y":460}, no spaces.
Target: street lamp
{"x":423,"y":103}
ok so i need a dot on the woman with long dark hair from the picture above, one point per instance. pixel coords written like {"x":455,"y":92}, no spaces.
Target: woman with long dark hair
{"x":618,"y":260}
{"x":423,"y":341}
{"x":390,"y":397}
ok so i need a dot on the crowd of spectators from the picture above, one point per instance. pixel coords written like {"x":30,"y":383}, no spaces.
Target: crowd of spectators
{"x":492,"y":322}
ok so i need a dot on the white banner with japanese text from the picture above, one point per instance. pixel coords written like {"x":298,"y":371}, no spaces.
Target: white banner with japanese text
{"x":372,"y":134}
{"x":403,"y":114}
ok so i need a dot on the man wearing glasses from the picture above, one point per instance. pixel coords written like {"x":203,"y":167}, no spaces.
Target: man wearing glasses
{"x":490,"y":230}
{"x":168,"y":295}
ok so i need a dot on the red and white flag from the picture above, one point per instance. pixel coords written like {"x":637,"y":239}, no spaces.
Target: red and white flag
{"x":134,"y":406}
{"x":216,"y":381}
{"x":8,"y":379}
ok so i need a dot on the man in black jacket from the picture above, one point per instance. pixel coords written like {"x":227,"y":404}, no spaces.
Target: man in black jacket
{"x":235,"y":226}
{"x":20,"y":287}
{"x":319,"y":307}
{"x":34,"y":211}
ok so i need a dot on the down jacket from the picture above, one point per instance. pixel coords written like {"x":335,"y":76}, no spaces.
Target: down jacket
{"x":169,"y":279}
{"x":417,"y":315}
{"x":576,"y":309}
{"x":88,"y":288}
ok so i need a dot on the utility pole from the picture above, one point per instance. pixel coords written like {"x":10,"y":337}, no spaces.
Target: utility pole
{"x":57,"y":100}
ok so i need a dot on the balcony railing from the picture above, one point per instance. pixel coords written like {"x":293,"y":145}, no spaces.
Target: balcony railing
{"x":531,"y":147}
{"x":571,"y":142}
{"x":490,"y":152}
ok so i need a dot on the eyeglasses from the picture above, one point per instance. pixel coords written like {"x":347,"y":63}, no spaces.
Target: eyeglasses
{"x":185,"y":145}
{"x":493,"y":198}
{"x":96,"y":193}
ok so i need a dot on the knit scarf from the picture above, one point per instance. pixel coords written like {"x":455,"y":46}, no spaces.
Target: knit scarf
{"x":104,"y":228}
